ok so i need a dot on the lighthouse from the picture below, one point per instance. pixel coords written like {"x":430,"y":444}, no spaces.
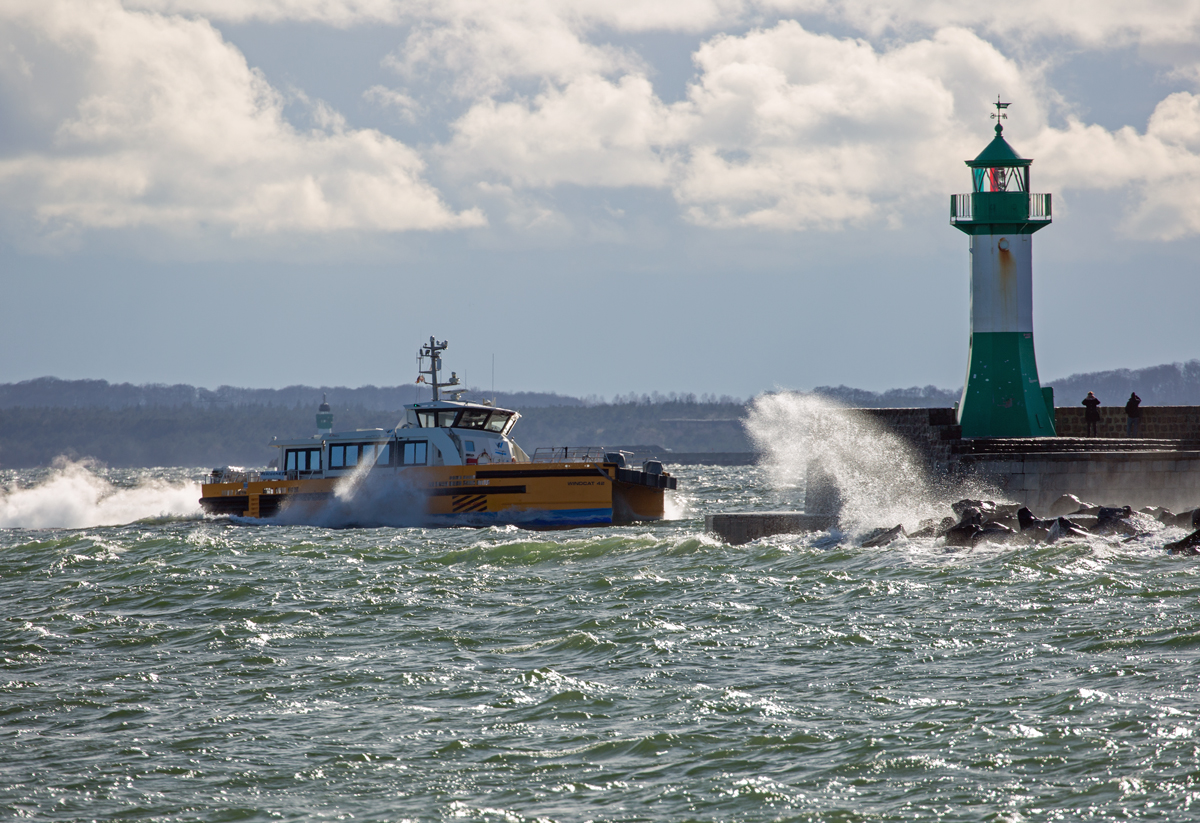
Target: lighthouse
{"x":1002,"y":396}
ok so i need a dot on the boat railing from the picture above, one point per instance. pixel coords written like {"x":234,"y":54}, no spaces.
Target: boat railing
{"x":569,"y":454}
{"x":232,"y":474}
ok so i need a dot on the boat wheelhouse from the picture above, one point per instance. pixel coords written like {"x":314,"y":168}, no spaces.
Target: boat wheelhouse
{"x":454,"y":462}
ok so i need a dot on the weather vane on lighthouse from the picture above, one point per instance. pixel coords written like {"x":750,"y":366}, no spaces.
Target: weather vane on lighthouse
{"x":1000,"y":107}
{"x":1002,"y":396}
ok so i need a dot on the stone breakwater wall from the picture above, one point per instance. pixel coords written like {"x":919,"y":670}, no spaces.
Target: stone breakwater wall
{"x":1160,"y":469}
{"x":1165,"y":422}
{"x":1137,"y":479}
{"x":930,"y":432}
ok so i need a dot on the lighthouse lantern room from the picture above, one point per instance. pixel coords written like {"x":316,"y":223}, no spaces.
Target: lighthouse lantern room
{"x":1002,"y":396}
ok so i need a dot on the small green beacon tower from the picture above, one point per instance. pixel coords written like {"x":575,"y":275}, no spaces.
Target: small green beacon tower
{"x":324,"y":417}
{"x":1001,"y":395}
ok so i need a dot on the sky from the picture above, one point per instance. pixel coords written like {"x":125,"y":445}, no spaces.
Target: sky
{"x":592,"y":198}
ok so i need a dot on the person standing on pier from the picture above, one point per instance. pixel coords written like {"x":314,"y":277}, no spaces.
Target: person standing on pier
{"x":1092,"y":415}
{"x":1132,"y":411}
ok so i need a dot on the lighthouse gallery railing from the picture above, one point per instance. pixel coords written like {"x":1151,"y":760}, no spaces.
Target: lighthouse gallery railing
{"x":1036,"y":209}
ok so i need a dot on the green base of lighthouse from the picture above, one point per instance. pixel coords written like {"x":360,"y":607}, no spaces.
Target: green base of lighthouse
{"x":1002,"y":396}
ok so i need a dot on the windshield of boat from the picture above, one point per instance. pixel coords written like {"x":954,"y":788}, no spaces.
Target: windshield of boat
{"x":497,"y":421}
{"x":436,"y":419}
{"x":493,"y":421}
{"x":473,"y":419}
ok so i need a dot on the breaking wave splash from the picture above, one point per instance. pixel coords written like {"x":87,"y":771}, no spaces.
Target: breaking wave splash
{"x":871,"y":474}
{"x":76,"y":495}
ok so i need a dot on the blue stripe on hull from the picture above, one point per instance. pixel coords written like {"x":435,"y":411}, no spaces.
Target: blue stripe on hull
{"x":545,"y":519}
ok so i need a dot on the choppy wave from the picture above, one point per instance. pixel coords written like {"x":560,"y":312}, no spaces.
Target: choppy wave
{"x":206,"y":670}
{"x":75,"y":495}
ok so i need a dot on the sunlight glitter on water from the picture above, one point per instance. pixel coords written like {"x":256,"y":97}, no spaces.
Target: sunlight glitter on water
{"x":200,"y":669}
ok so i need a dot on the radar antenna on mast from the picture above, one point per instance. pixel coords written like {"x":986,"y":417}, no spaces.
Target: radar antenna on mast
{"x":433,"y":351}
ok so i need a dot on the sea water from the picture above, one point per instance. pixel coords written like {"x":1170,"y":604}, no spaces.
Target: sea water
{"x":162,"y":665}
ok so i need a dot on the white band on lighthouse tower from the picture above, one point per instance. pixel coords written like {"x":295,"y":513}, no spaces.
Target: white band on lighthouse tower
{"x":1002,"y":283}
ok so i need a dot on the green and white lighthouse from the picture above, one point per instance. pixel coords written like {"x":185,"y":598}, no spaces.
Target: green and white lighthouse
{"x":1002,"y":396}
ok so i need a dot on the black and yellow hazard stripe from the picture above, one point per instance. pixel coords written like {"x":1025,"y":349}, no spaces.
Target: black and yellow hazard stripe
{"x":469,"y":503}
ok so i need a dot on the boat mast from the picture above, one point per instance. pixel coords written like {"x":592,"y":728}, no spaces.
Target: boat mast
{"x":433,"y":350}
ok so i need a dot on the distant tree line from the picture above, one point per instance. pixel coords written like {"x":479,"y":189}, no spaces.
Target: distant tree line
{"x":917,"y":397}
{"x":1173,"y":384}
{"x":239,"y":435}
{"x":158,"y":425}
{"x":51,"y":392}
{"x":159,"y":435}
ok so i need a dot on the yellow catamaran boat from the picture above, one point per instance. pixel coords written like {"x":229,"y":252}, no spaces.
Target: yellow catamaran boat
{"x":453,"y":462}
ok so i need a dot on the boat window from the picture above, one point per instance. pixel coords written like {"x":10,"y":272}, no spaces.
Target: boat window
{"x":304,"y":460}
{"x":472,"y":419}
{"x":385,"y":455}
{"x":427,"y":419}
{"x":415,"y":452}
{"x":469,"y":445}
{"x":497,"y":421}
{"x":446,"y":418}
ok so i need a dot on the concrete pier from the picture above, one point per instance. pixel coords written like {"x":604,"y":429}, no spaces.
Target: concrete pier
{"x":1163,"y":474}
{"x":1162,"y":468}
{"x":742,"y":527}
{"x":1110,"y":471}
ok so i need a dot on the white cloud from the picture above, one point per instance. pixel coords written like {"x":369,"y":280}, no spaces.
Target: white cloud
{"x":783,"y":128}
{"x":593,"y":132}
{"x":169,"y":126}
{"x":791,"y":129}
{"x":1094,"y":23}
{"x":1161,"y":165}
{"x":332,"y":12}
{"x":621,"y":15}
{"x":407,"y":106}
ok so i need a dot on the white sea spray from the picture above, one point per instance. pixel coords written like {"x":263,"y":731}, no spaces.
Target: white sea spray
{"x":879,"y":478}
{"x":362,"y":498}
{"x":76,"y":495}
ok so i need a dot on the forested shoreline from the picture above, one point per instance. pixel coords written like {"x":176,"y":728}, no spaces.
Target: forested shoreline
{"x":191,"y":436}
{"x":123,"y":425}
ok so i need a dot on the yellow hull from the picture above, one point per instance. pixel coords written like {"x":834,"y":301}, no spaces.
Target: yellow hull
{"x":533,"y":495}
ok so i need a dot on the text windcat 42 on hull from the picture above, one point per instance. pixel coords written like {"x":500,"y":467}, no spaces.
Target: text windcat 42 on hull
{"x":448,"y":463}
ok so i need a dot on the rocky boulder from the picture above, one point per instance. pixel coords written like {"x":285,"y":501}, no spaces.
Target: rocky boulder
{"x":1188,"y":545}
{"x":881,"y":537}
{"x":1114,"y":520}
{"x":1064,"y":528}
{"x":1070,"y":504}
